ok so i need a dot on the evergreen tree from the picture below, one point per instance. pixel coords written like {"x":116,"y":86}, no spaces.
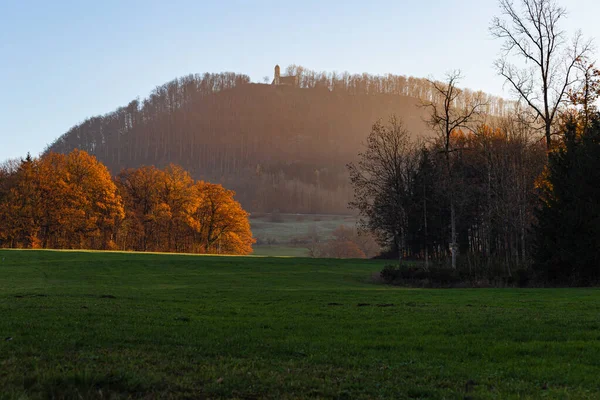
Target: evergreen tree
{"x":568,"y":228}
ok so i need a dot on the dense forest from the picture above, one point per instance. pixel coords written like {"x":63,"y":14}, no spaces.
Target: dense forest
{"x":279,"y":147}
{"x":71,"y":201}
{"x":520,"y":214}
{"x":505,"y":200}
{"x":404,"y":193}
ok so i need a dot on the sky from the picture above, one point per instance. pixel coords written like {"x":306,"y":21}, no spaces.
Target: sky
{"x":63,"y":61}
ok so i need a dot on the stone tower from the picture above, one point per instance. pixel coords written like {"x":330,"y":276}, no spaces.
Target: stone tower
{"x":277,"y":77}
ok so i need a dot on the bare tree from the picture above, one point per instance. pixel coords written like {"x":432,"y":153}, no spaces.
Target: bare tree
{"x":448,"y":113}
{"x":382,"y":180}
{"x":532,"y":34}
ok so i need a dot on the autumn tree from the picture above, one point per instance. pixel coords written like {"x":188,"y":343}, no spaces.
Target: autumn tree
{"x":159,"y":208}
{"x":222,"y":224}
{"x":79,"y":204}
{"x":94,"y":207}
{"x":167,"y":211}
{"x":20,"y":204}
{"x":545,"y":59}
{"x":61,"y":201}
{"x":139,"y":190}
{"x":71,"y":201}
{"x":179,"y":200}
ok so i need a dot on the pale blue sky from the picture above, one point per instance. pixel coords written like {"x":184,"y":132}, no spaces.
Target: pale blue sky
{"x":65,"y":60}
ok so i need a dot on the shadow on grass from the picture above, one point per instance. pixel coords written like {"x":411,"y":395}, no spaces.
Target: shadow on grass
{"x":86,"y":385}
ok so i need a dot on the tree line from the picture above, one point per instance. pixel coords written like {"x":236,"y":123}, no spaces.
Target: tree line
{"x":503,"y":207}
{"x":515,"y":195}
{"x":71,"y":201}
{"x":405,"y":191}
{"x":368,"y":84}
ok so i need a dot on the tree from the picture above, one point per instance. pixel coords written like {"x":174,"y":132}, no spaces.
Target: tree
{"x":381,"y":182}
{"x":337,"y":248}
{"x":71,"y":201}
{"x":179,"y":199}
{"x":168,"y":211}
{"x":314,"y":241}
{"x":20,"y":204}
{"x":584,"y":96}
{"x":223,"y":225}
{"x":448,"y":115}
{"x":345,"y":242}
{"x":139,"y":190}
{"x":60,"y":201}
{"x":94,"y":208}
{"x":532,"y":34}
{"x":78,"y":202}
{"x":427,"y":206}
{"x":568,"y":227}
{"x":349,"y":242}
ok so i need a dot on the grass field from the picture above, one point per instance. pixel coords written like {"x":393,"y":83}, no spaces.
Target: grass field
{"x":287,"y":228}
{"x":111,"y":325}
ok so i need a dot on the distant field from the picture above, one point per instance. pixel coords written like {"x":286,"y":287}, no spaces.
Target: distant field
{"x":278,"y":235}
{"x":280,"y":251}
{"x":117,"y":325}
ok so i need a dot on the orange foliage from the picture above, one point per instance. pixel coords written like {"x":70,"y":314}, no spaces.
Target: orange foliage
{"x":223,"y":224}
{"x":168,"y":211}
{"x":19,"y":209}
{"x":61,"y":201}
{"x":71,"y":201}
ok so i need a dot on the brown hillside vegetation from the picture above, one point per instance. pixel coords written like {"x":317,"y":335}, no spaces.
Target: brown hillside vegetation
{"x":279,"y":147}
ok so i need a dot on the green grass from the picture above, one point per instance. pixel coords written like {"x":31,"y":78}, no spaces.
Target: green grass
{"x":292,"y":227}
{"x":116,"y":325}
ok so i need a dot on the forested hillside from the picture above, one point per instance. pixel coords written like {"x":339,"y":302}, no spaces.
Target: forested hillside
{"x":280,"y":147}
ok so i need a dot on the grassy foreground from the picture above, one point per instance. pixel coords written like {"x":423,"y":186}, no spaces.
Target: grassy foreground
{"x":94,"y":325}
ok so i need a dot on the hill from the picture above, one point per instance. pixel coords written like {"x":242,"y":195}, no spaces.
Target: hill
{"x":279,"y":147}
{"x":116,"y":325}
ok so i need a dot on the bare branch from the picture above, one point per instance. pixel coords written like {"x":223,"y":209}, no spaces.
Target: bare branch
{"x":532,"y":34}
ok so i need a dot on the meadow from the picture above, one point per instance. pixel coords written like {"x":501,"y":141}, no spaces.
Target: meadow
{"x":280,"y":234}
{"x":120,"y":325}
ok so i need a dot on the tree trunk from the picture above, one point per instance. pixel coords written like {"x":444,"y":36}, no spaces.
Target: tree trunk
{"x":453,"y":245}
{"x":426,"y":233}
